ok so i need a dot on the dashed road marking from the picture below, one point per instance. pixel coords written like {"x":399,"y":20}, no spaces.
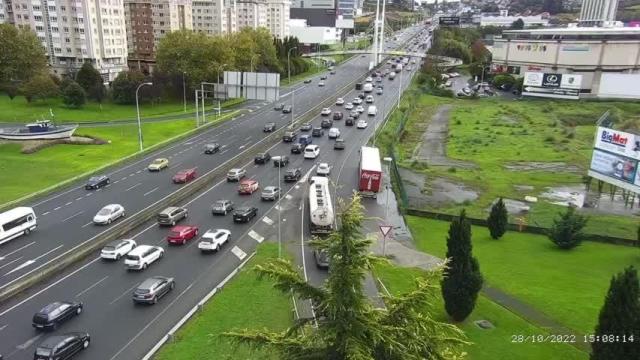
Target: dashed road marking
{"x":289,"y":197}
{"x":239,"y":253}
{"x":29,"y":342}
{"x":134,"y":186}
{"x":117,"y":181}
{"x":87,"y":224}
{"x":56,"y":208}
{"x":92,"y":286}
{"x":88,"y":194}
{"x":150,"y":191}
{"x":257,"y":237}
{"x":267,"y":221}
{"x":45,"y":213}
{"x":69,"y":203}
{"x":72,"y":216}
{"x":124,"y":178}
{"x":80,"y":198}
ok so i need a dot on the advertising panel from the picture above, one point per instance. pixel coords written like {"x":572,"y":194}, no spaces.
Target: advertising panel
{"x":614,"y":166}
{"x":618,"y":142}
{"x":449,"y":20}
{"x":620,"y":86}
{"x":552,"y":85}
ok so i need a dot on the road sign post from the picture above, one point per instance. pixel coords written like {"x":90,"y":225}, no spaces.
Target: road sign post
{"x":384,"y":229}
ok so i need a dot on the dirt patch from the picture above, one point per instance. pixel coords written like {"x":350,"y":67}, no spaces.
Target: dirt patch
{"x":523,"y":187}
{"x":542,"y":166}
{"x":33,"y":146}
{"x":592,"y":202}
{"x":440,"y":190}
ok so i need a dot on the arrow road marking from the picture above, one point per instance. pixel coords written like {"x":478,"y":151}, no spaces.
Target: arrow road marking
{"x":29,"y":262}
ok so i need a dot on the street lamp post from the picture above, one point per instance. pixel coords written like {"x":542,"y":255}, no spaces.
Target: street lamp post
{"x":184,"y":93}
{"x":388,"y":161}
{"x":197,"y":109}
{"x":138,"y":111}
{"x":289,"y":64}
{"x":279,"y":220}
{"x":293,"y":98}
{"x":400,"y":88}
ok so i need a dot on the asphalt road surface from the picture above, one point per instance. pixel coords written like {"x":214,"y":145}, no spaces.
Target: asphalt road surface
{"x":119,"y":329}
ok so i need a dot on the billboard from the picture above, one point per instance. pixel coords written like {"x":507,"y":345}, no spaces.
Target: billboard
{"x":615,"y":158}
{"x":252,"y":85}
{"x":621,"y":86}
{"x":449,"y":20}
{"x":552,"y":85}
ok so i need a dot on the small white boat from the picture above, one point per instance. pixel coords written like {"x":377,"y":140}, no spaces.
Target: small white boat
{"x":40,"y":130}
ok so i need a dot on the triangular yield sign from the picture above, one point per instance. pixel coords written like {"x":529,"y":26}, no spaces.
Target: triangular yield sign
{"x":385,"y":229}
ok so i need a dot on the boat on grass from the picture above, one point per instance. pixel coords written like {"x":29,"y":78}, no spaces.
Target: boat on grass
{"x":40,"y":130}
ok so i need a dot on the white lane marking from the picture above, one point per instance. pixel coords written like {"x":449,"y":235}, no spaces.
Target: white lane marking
{"x":134,"y":174}
{"x":247,"y":138}
{"x":144,"y":329}
{"x":306,"y":176}
{"x":88,"y":194}
{"x":79,"y":198}
{"x":92,"y":286}
{"x":224,"y":151}
{"x":87,"y":224}
{"x":240,"y":148}
{"x":257,"y":237}
{"x":124,"y":178}
{"x":3,"y":327}
{"x":123,"y":294}
{"x":46,"y":213}
{"x":117,"y":181}
{"x":69,"y":203}
{"x":29,"y":262}
{"x":29,"y":342}
{"x":11,"y":262}
{"x":57,"y":208}
{"x":134,"y":186}
{"x":138,"y":172}
{"x":72,"y":216}
{"x":267,"y":221}
{"x":16,"y":250}
{"x":239,"y":253}
{"x":150,"y":191}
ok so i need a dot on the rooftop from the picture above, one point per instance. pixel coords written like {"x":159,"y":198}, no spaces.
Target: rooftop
{"x":578,"y":31}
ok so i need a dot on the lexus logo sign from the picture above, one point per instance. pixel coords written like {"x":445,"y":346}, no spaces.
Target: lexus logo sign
{"x":551,"y":80}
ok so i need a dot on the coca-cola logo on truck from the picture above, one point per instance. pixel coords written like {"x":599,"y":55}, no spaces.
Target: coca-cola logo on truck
{"x":372,"y":176}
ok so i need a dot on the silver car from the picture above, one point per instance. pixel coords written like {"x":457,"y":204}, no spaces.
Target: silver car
{"x":150,"y":290}
{"x":270,"y":193}
{"x":236,"y":174}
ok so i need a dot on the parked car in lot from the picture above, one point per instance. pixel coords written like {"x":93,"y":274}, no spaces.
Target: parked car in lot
{"x":248,"y":186}
{"x":317,"y":132}
{"x":109,"y":214}
{"x":337,"y":115}
{"x":287,"y":109}
{"x":181,"y":234}
{"x":211,"y":148}
{"x":262,"y":158}
{"x":325,"y":112}
{"x":311,"y":151}
{"x":221,"y":207}
{"x":53,"y":315}
{"x":244,"y":214}
{"x":158,"y":164}
{"x":212,"y":240}
{"x":152,"y":289}
{"x":306,"y":127}
{"x":184,"y":176}
{"x":236,"y":174}
{"x":171,"y":215}
{"x":339,"y":101}
{"x":278,"y":107}
{"x":142,"y":256}
{"x":339,"y":144}
{"x":293,"y":175}
{"x":362,"y":124}
{"x":117,"y":249}
{"x":323,"y":169}
{"x":280,"y":161}
{"x":64,"y":346}
{"x":289,"y":136}
{"x":96,"y":182}
{"x":326,"y":123}
{"x":297,"y":148}
{"x":269,"y":127}
{"x":270,"y":193}
{"x":334,"y":133}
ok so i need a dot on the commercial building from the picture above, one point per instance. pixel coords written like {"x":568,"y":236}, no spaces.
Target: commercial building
{"x":597,"y":54}
{"x":75,"y":31}
{"x":503,"y":19}
{"x":598,"y":12}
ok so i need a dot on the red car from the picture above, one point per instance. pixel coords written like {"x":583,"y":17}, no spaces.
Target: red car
{"x":181,"y":233}
{"x":184,"y":176}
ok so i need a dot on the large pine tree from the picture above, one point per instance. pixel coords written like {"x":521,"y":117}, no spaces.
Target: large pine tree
{"x":498,"y":219}
{"x":619,"y":316}
{"x":463,"y":279}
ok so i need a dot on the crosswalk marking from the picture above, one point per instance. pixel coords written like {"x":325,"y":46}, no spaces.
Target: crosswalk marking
{"x":267,"y":221}
{"x":239,"y":253}
{"x":257,"y":237}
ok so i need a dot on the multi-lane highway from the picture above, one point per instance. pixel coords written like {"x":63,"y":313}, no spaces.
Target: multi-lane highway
{"x":119,"y":329}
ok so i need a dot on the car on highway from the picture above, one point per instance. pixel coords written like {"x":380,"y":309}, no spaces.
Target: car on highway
{"x":339,"y":144}
{"x":311,"y":151}
{"x":362,"y":124}
{"x":348,"y":106}
{"x":321,"y":258}
{"x":287,"y":109}
{"x":321,"y":83}
{"x":356,"y":101}
{"x":325,"y":112}
{"x":270,"y":193}
{"x":350,"y":121}
{"x":323,"y":169}
{"x":379,"y":79}
{"x":184,"y":176}
{"x":297,"y":148}
{"x":117,"y":249}
{"x":211,"y":148}
{"x":338,"y":115}
{"x":221,"y":207}
{"x":334,"y":133}
{"x":339,"y":101}
{"x":248,"y":186}
{"x":142,"y":256}
{"x":244,"y":214}
{"x":262,"y":158}
{"x":180,"y":234}
{"x":109,"y":214}
{"x":64,"y":346}
{"x":292,"y":175}
{"x":332,"y":72}
{"x":289,"y":136}
{"x":368,"y":79}
{"x":317,"y":132}
{"x":354,"y":113}
{"x":212,"y":240}
{"x":361,"y":96}
{"x":171,"y":215}
{"x":379,"y":91}
{"x":280,"y":161}
{"x":158,"y":164}
{"x":269,"y":127}
{"x":306,"y":127}
{"x":56,"y":313}
{"x":278,"y":107}
{"x":152,"y":289}
{"x":369,"y":99}
{"x":307,"y":81}
{"x":326,"y":123}
{"x":236,"y":174}
{"x":360,"y":109}
{"x":323,"y":77}
{"x":96,"y":182}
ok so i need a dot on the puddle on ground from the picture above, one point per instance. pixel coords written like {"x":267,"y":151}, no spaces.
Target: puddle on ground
{"x":565,"y":195}
{"x":514,"y":207}
{"x":541,"y":166}
{"x":592,"y":202}
{"x":442,"y":191}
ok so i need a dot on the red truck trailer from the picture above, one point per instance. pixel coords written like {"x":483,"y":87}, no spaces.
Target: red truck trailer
{"x":370,"y":172}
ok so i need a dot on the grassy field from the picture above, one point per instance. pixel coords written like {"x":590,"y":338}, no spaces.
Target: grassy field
{"x":490,"y":344}
{"x":19,"y":111}
{"x":568,"y":286}
{"x":245,"y":302}
{"x":492,"y":133}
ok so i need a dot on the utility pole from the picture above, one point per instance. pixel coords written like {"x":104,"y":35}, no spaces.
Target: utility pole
{"x":289,"y":64}
{"x":197,"y":110}
{"x":375,"y":34}
{"x":138,"y":112}
{"x":384,"y":5}
{"x":279,"y":220}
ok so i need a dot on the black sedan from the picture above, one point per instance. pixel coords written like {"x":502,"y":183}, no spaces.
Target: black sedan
{"x":54,"y":314}
{"x":350,"y":121}
{"x":262,"y":158}
{"x":337,"y":115}
{"x":63,"y":346}
{"x":96,"y":182}
{"x":244,"y":214}
{"x":297,"y":148}
{"x":292,"y":175}
{"x":211,"y":148}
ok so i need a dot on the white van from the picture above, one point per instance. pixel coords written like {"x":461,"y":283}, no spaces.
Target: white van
{"x":16,"y":222}
{"x":368,"y":87}
{"x":142,"y":256}
{"x":334,"y":133}
{"x":373,"y":110}
{"x":311,"y":151}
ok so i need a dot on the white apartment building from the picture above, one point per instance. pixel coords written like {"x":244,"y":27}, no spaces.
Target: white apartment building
{"x":214,"y":17}
{"x":251,"y":13}
{"x":278,"y":18}
{"x":598,"y":12}
{"x":75,"y":31}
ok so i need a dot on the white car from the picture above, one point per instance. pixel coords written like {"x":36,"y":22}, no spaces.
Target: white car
{"x":369,"y":99}
{"x":116,"y":249}
{"x":360,"y":109}
{"x":325,"y":112}
{"x":142,"y":256}
{"x":323,"y":169}
{"x":368,"y":79}
{"x":334,"y":133}
{"x":108,"y":214}
{"x":213,"y":240}
{"x":311,"y":151}
{"x":361,"y":124}
{"x":321,"y":83}
{"x":340,"y":101}
{"x":356,"y":101}
{"x":348,"y":106}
